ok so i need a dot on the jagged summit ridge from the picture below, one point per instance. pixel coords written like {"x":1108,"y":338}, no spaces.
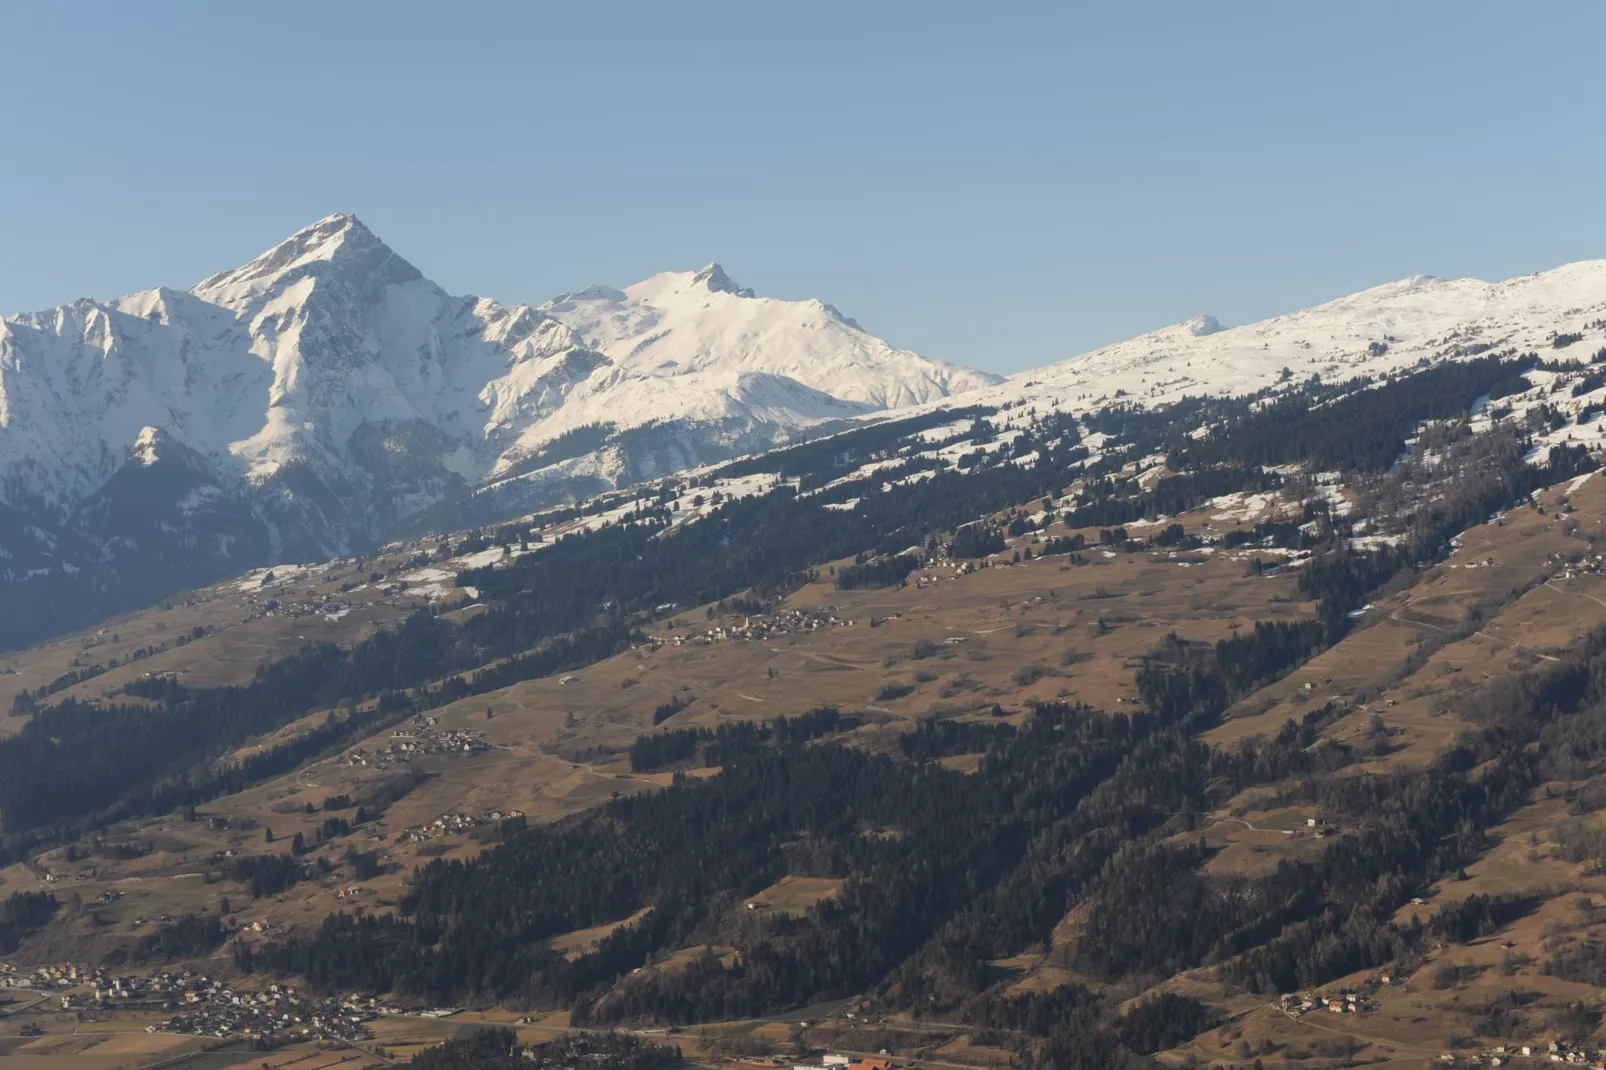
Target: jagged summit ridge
{"x":713,"y":277}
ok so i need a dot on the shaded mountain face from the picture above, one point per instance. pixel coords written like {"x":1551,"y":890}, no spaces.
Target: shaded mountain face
{"x":312,"y":400}
{"x":165,"y":516}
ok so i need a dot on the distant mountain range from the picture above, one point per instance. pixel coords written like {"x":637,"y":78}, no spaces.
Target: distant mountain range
{"x":327,"y":395}
{"x":317,"y":398}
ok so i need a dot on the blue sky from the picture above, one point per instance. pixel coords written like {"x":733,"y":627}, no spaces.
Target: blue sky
{"x":1001,"y":185}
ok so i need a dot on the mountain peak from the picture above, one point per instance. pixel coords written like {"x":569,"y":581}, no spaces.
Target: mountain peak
{"x":147,"y":446}
{"x":714,"y":279}
{"x":340,"y":242}
{"x":1200,"y":326}
{"x":153,"y":445}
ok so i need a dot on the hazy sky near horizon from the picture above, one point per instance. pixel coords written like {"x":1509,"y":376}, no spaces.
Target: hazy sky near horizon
{"x":999,"y":185}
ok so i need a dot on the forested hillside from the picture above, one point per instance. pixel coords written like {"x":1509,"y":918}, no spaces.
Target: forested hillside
{"x":994,"y":827}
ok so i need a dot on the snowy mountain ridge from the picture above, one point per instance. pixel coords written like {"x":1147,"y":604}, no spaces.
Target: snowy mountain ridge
{"x":1372,"y":332}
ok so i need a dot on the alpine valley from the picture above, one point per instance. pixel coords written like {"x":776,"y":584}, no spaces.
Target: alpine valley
{"x":673,"y":662}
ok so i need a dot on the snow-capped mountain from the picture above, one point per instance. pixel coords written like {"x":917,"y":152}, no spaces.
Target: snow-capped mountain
{"x":1369,"y":333}
{"x":680,"y":324}
{"x":309,"y":401}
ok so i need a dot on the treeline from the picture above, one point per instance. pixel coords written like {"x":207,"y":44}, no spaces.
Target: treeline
{"x":22,"y":913}
{"x":1250,"y":661}
{"x":1478,"y":916}
{"x":1287,"y":534}
{"x":882,"y":572}
{"x":1364,"y":430}
{"x":1079,"y":1030}
{"x":980,"y":539}
{"x":77,"y":757}
{"x":190,"y":936}
{"x":25,"y":701}
{"x":265,"y":875}
{"x":940,"y":737}
{"x":852,"y":448}
{"x":1108,"y":502}
{"x":1062,"y":544}
{"x":716,"y":746}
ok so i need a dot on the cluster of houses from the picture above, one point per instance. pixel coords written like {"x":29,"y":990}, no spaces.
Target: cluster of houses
{"x":206,"y":1006}
{"x":1295,"y":1004}
{"x":422,"y":735}
{"x":846,"y":1062}
{"x":313,"y":605}
{"x":127,"y":993}
{"x":65,"y":975}
{"x":829,"y":1061}
{"x":786,"y":622}
{"x":1554,"y":1051}
{"x":454,"y":824}
{"x":930,"y":574}
{"x":209,"y":1008}
{"x":1588,"y":565}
